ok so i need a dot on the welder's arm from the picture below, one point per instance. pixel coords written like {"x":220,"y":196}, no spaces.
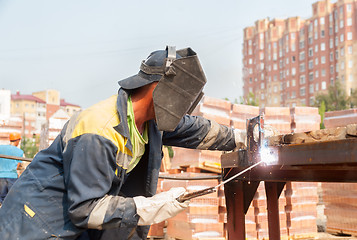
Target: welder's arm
{"x":200,"y":133}
{"x":89,"y":177}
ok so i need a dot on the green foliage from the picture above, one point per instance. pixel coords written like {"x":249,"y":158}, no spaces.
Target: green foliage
{"x":171,"y":152}
{"x":250,"y":100}
{"x":322,"y":110}
{"x":353,"y":98}
{"x":30,"y":146}
{"x":335,"y":99}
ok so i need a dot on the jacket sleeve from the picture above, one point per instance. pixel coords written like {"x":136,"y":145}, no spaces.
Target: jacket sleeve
{"x":89,"y":178}
{"x":200,"y":133}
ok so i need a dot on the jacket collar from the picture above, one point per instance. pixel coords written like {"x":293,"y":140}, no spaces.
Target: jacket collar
{"x":122,"y":108}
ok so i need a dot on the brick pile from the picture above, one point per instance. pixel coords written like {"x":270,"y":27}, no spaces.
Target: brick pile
{"x":277,"y":117}
{"x":202,"y":218}
{"x":301,"y":213}
{"x":340,"y":207}
{"x":340,"y":118}
{"x":305,"y":119}
{"x":340,"y":199}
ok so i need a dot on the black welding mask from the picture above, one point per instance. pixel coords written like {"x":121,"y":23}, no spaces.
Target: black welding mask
{"x":181,"y":81}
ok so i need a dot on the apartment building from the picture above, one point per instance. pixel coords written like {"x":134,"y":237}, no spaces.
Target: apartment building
{"x":31,"y":109}
{"x":286,"y":62}
{"x":39,"y":108}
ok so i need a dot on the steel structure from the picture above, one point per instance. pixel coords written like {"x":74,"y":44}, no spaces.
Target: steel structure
{"x":327,"y":161}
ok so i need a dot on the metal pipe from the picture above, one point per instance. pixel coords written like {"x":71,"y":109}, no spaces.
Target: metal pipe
{"x":16,"y":158}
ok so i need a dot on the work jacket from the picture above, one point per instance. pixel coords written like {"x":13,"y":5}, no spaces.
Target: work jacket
{"x":80,"y":181}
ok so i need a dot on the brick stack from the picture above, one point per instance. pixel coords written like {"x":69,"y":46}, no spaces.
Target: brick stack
{"x":214,"y":109}
{"x":340,"y":118}
{"x":240,"y":113}
{"x":340,"y":207}
{"x":261,"y":214}
{"x":305,"y":119}
{"x":201,"y":219}
{"x":301,"y":201}
{"x":277,"y":117}
{"x":340,"y":199}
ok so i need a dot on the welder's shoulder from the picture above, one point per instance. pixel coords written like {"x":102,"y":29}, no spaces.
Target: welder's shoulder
{"x":98,"y":119}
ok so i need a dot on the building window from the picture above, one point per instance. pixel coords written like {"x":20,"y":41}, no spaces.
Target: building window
{"x":316,"y":61}
{"x":350,"y":49}
{"x":311,"y":76}
{"x":331,"y":43}
{"x":311,"y":64}
{"x":342,"y":37}
{"x":293,"y":94}
{"x":275,"y":89}
{"x":302,"y":91}
{"x":331,"y":69}
{"x":349,"y":36}
{"x":293,"y":83}
{"x":316,"y":48}
{"x":310,"y":40}
{"x":342,"y":65}
{"x":302,"y":67}
{"x":317,"y":73}
{"x":322,"y":20}
{"x":350,"y":78}
{"x":311,"y":88}
{"x":322,"y":46}
{"x":302,"y":79}
{"x":322,"y":33}
{"x":323,"y":59}
{"x":323,"y":72}
{"x":293,"y":59}
{"x":302,"y":56}
{"x":342,"y":51}
{"x":317,"y":87}
{"x":349,"y":21}
{"x":350,"y":64}
{"x":293,"y":71}
{"x":349,"y":7}
{"x":331,"y":56}
{"x":262,"y":86}
{"x":311,"y":52}
{"x":323,"y":85}
{"x":341,"y":23}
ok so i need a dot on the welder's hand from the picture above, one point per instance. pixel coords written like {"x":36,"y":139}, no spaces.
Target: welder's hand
{"x":159,"y":207}
{"x":240,"y":138}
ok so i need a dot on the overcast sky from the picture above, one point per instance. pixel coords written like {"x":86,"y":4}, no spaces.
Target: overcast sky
{"x":83,"y":47}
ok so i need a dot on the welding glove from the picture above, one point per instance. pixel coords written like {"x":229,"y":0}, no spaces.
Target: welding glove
{"x":159,"y":207}
{"x":240,"y":138}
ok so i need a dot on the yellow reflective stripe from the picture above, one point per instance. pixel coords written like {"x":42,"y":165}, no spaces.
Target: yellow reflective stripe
{"x":29,"y":211}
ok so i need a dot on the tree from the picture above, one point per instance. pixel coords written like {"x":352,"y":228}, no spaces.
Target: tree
{"x":250,"y":100}
{"x":335,"y":99}
{"x":30,"y":146}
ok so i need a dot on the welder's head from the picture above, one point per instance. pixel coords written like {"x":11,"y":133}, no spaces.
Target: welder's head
{"x":180,"y":83}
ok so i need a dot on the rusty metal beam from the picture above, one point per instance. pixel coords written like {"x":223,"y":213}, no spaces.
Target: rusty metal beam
{"x":234,"y":194}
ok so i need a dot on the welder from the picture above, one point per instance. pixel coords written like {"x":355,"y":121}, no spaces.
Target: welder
{"x":98,"y":179}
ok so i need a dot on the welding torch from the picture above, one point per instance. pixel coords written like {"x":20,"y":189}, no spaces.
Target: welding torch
{"x":188,"y":196}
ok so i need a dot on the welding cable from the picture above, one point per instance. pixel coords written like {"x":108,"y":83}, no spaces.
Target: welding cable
{"x":192,"y":178}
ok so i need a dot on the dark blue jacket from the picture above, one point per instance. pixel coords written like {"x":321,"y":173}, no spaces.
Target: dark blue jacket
{"x":80,"y":181}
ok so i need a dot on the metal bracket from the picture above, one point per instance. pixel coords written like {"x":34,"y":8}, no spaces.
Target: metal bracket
{"x":253,"y":146}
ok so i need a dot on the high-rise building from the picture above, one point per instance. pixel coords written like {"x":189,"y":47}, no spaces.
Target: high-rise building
{"x":286,"y":62}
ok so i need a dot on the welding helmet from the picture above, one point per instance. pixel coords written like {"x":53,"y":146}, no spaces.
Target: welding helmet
{"x":180,"y":83}
{"x":14,"y":136}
